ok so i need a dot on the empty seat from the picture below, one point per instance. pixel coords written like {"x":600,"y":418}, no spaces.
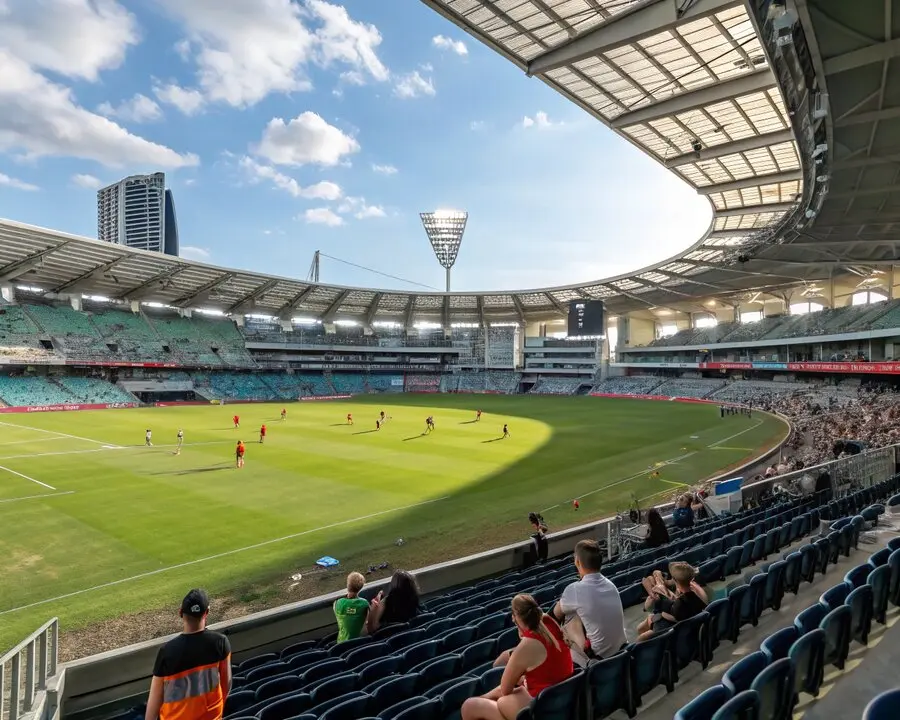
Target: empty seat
{"x":558,"y":702}
{"x":686,"y":646}
{"x":744,"y":706}
{"x":885,"y":706}
{"x":835,"y":596}
{"x":792,"y":574}
{"x":879,"y":579}
{"x":808,"y":656}
{"x":861,"y":604}
{"x":720,"y":615}
{"x":810,"y":618}
{"x":705,"y":705}
{"x":775,"y":686}
{"x":740,"y":676}
{"x":609,"y":686}
{"x":779,"y":643}
{"x":837,"y":625}
{"x":648,"y":661}
{"x":392,"y":691}
{"x":352,"y":709}
{"x":286,"y":708}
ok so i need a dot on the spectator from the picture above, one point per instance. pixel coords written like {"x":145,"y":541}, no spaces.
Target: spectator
{"x":697,"y":507}
{"x":592,"y":609}
{"x":668,"y":610}
{"x":351,"y":611}
{"x":657,"y":532}
{"x":683,"y":517}
{"x":400,"y":604}
{"x":192,"y":673}
{"x":540,"y":660}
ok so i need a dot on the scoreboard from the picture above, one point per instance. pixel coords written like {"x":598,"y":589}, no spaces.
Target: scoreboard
{"x":586,"y":318}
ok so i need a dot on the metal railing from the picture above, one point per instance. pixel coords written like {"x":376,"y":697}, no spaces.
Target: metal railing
{"x":25,"y":670}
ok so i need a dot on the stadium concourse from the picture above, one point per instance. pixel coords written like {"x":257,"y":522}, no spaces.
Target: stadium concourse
{"x":780,"y":113}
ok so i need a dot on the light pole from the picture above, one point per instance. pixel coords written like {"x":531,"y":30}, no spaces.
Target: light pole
{"x":445,"y":230}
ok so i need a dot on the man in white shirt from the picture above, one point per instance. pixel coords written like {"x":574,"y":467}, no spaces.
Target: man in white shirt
{"x":591,"y":608}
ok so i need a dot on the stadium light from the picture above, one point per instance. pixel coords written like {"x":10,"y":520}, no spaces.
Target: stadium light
{"x":445,"y":230}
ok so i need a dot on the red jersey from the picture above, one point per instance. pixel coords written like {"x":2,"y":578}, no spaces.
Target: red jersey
{"x":558,"y":664}
{"x":236,"y":419}
{"x":262,"y":430}
{"x":240,"y":449}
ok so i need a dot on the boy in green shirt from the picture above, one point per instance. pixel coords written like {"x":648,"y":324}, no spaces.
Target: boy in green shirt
{"x":351,"y":611}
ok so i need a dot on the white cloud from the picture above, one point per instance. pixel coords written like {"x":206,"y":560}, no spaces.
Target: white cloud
{"x":189,"y":101}
{"x":305,"y":140}
{"x":42,"y":118}
{"x":10,"y":182}
{"x":87,"y":181}
{"x":183,"y":48}
{"x":359,"y":209}
{"x":476,"y":125}
{"x":442,"y":42}
{"x":353,"y":77}
{"x":74,"y":38}
{"x":192,"y":252}
{"x":323,"y":216}
{"x":246,"y":50}
{"x":324,"y":190}
{"x":540,"y":120}
{"x":140,"y":108}
{"x":385,"y":169}
{"x":413,"y":85}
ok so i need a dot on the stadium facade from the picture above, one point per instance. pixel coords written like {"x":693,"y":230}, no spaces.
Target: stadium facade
{"x":138,"y":212}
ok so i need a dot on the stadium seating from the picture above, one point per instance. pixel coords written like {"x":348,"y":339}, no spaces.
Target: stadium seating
{"x":689,"y":387}
{"x":445,"y":654}
{"x":556,"y":386}
{"x":20,"y":336}
{"x":348,"y":383}
{"x":384,"y":383}
{"x":502,"y":381}
{"x":423,"y":383}
{"x":33,"y":391}
{"x":632,"y":385}
{"x":94,"y":390}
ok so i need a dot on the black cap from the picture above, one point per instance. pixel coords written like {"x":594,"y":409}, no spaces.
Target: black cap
{"x":195,"y":603}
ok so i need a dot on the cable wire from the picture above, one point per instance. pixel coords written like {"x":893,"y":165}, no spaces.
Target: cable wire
{"x":378,"y":272}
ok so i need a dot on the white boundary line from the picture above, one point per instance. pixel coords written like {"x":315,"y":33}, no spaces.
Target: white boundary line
{"x":110,"y":447}
{"x":217,"y":556}
{"x":59,"y":434}
{"x":38,"y":497}
{"x":737,"y":434}
{"x":24,"y":442}
{"x":49,"y":487}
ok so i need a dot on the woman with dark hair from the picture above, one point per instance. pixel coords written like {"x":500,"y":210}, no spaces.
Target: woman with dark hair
{"x":398,"y":605}
{"x":540,"y":660}
{"x":657,"y":532}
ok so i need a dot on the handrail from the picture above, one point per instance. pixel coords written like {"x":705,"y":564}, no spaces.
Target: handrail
{"x":41,"y":650}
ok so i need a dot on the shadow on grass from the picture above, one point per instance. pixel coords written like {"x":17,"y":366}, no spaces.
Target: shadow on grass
{"x":414,"y":437}
{"x":343,"y":424}
{"x":468,"y":422}
{"x":193,"y":471}
{"x":492,"y":440}
{"x":364,"y":432}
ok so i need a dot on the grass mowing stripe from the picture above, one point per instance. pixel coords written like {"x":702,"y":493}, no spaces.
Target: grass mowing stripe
{"x":223,"y":554}
{"x":38,"y":497}
{"x":25,"y":477}
{"x":55,"y":432}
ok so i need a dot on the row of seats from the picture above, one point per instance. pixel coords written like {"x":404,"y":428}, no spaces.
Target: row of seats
{"x":556,"y":386}
{"x":32,"y":391}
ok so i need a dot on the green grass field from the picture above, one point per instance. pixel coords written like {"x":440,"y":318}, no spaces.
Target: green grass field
{"x":93,"y":525}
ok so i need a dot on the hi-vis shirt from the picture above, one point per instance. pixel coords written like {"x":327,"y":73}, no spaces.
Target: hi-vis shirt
{"x":189,"y":668}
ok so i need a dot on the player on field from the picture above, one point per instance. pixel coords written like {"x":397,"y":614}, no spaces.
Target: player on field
{"x":429,"y":424}
{"x":239,"y":454}
{"x":237,"y":421}
{"x":349,"y":418}
{"x":477,"y":415}
{"x":179,"y":441}
{"x":262,"y":434}
{"x":378,"y":424}
{"x":148,"y":438}
{"x":505,"y":430}
{"x":284,"y":413}
{"x":382,"y":417}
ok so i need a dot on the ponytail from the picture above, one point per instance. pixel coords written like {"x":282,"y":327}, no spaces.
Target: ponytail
{"x":530,"y":614}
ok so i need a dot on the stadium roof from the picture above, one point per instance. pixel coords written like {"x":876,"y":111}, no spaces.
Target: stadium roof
{"x":689,"y":82}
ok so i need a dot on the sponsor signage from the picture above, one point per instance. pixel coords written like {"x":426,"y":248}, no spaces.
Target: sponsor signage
{"x":67,"y":408}
{"x":328,"y":397}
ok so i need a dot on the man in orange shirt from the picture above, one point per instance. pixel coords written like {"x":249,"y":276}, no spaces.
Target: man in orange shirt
{"x":192,"y":673}
{"x":262,"y":434}
{"x":239,"y":453}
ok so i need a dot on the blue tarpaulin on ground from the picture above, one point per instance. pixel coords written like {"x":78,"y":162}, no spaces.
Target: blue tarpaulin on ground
{"x":327,"y":562}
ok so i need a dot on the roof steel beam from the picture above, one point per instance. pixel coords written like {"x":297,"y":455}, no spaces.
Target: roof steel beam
{"x":867,"y":117}
{"x":864,"y":191}
{"x":642,"y":20}
{"x":755,"y":210}
{"x":252,"y":295}
{"x":332,"y":309}
{"x":142,"y":289}
{"x":732,"y":148}
{"x":750,"y":182}
{"x":293,"y":304}
{"x":18,"y":268}
{"x":410,"y":310}
{"x":862,"y":57}
{"x":373,"y":309}
{"x":89,"y":275}
{"x":204,"y":290}
{"x":557,"y":304}
{"x":520,"y":311}
{"x":696,"y":99}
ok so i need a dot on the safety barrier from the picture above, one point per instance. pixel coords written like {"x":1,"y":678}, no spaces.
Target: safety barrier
{"x":69,"y":408}
{"x":26,"y":683}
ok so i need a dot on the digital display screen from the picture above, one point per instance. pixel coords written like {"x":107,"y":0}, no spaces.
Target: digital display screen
{"x":586,"y":318}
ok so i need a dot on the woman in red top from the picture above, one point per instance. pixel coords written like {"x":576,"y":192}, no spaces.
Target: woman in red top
{"x":541,"y":659}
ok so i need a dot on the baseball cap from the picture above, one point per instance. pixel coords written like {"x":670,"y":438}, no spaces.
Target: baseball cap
{"x":195,"y":603}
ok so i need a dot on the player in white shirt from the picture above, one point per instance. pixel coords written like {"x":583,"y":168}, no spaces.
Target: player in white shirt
{"x":179,"y":442}
{"x":148,"y":438}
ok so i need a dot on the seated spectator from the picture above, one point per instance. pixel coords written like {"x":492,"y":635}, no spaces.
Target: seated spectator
{"x":398,"y":605}
{"x":351,"y":611}
{"x":540,"y":660}
{"x":192,"y":673}
{"x":697,"y":506}
{"x":669,"y":609}
{"x":658,"y":584}
{"x":683,"y":516}
{"x":592,"y":609}
{"x":657,"y":532}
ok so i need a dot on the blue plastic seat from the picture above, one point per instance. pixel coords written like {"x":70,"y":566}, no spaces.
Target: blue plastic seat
{"x":286,"y":708}
{"x":648,"y":664}
{"x":712,"y":570}
{"x":740,"y":676}
{"x":334,"y":687}
{"x":277,"y":686}
{"x":775,"y":686}
{"x":738,"y":596}
{"x":720,"y":615}
{"x":837,"y":627}
{"x":305,"y":659}
{"x":438,"y":670}
{"x":808,"y":656}
{"x":632,"y":595}
{"x":297,"y":648}
{"x":705,"y":705}
{"x":348,"y":646}
{"x":478,"y":653}
{"x":744,"y":706}
{"x":880,"y":580}
{"x":758,"y":551}
{"x":808,"y":562}
{"x":771,"y":541}
{"x":365,"y":653}
{"x":558,"y":702}
{"x":686,"y":646}
{"x":263,"y":672}
{"x":351,"y":709}
{"x":419,"y":653}
{"x":323,"y":707}
{"x":823,"y":554}
{"x":778,"y":644}
{"x":835,"y":596}
{"x":885,"y":706}
{"x":879,"y":558}
{"x":490,"y":624}
{"x":861,"y":604}
{"x":490,"y":679}
{"x":857,"y":576}
{"x":609,"y":686}
{"x":792,"y":575}
{"x":810,"y":618}
{"x":458,"y":638}
{"x":894,"y":565}
{"x":388,"y":691}
{"x":239,"y":701}
{"x":773,"y":593}
{"x":379,"y":668}
{"x":733,"y":561}
{"x":255,"y":662}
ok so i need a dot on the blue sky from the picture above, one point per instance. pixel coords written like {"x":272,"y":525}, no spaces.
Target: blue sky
{"x":287,"y":126}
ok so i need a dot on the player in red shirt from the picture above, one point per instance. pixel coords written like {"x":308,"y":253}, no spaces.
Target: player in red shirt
{"x":283,"y":413}
{"x":239,"y":453}
{"x":262,"y":434}
{"x":477,"y":415}
{"x":349,"y":418}
{"x":237,"y":421}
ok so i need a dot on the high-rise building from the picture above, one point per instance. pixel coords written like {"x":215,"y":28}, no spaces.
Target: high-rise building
{"x":138,"y":212}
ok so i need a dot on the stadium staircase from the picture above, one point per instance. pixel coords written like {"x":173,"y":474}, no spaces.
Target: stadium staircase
{"x":802,"y":612}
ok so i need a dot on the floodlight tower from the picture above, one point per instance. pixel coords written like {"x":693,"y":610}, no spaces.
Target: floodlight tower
{"x":445,"y":230}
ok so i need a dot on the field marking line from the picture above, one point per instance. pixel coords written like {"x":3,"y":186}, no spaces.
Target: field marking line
{"x":31,"y":479}
{"x":109,"y":447}
{"x":737,"y":434}
{"x":227,"y":553}
{"x":24,"y":442}
{"x":48,"y":454}
{"x":59,"y":434}
{"x":37,"y":497}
